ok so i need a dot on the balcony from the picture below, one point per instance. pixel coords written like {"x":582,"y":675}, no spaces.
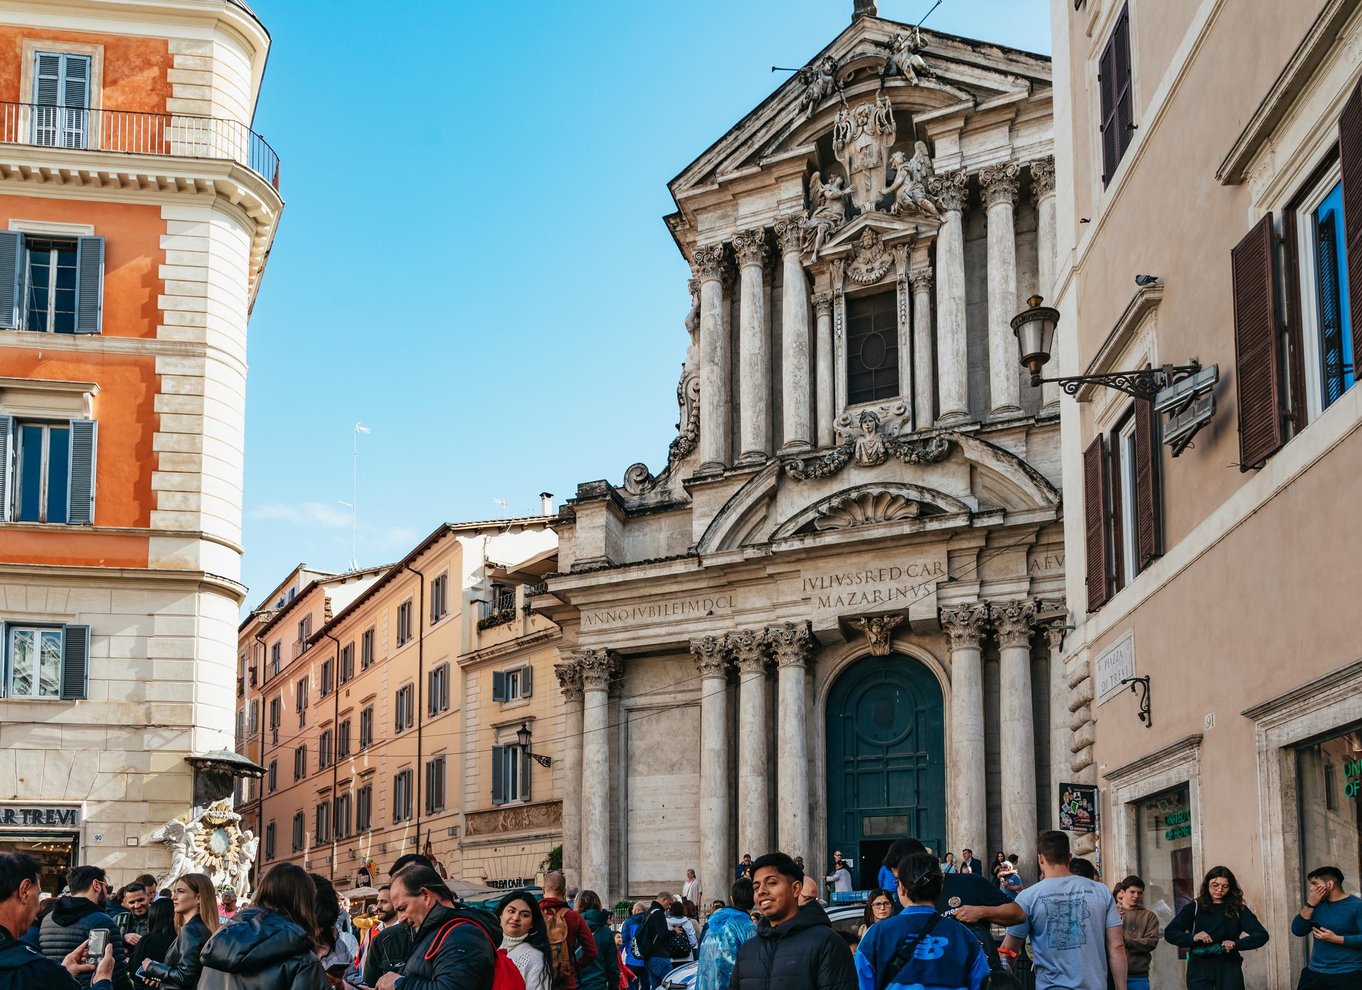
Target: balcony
{"x":134,"y":133}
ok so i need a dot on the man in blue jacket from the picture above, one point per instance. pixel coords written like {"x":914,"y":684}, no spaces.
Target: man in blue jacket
{"x":1332,"y":919}
{"x":21,"y":966}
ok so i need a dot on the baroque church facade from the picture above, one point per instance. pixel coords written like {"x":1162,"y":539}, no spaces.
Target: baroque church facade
{"x":832,"y":618}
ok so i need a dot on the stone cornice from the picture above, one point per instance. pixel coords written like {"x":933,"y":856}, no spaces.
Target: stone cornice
{"x":1180,"y":752}
{"x":131,"y":575}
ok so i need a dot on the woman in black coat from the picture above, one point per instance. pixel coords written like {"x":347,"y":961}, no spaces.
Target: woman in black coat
{"x":1215,"y":928}
{"x":269,"y":946}
{"x":195,"y":901}
{"x":160,"y":936}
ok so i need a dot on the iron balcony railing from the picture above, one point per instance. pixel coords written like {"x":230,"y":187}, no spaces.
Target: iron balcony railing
{"x":135,"y":133}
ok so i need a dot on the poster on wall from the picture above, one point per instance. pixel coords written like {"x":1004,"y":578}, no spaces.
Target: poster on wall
{"x":1077,"y":808}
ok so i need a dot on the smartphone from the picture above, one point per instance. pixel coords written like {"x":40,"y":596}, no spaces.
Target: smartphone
{"x":99,"y":939}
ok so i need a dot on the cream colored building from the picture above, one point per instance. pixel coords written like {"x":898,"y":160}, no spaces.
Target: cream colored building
{"x":1217,"y":146}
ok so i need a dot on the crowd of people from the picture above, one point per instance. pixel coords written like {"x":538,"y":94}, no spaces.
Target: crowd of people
{"x":928,"y":925}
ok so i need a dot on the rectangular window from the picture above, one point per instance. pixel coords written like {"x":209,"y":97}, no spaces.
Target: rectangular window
{"x":366,"y":649}
{"x":437,"y":693}
{"x":45,"y":662}
{"x":510,"y":774}
{"x":1117,"y":97}
{"x":872,"y":347}
{"x":1325,"y":311}
{"x":1123,"y":494}
{"x":512,"y":685}
{"x":61,"y":97}
{"x":404,"y":623}
{"x":342,"y":816}
{"x":273,"y":776}
{"x":435,"y":785}
{"x":1122,"y":504}
{"x":49,"y":281}
{"x":270,"y":840}
{"x":42,"y":466}
{"x":322,"y":816}
{"x":51,"y":285}
{"x":1164,"y":829}
{"x":343,"y":740}
{"x":405,"y":708}
{"x":366,"y":728}
{"x":439,"y":598}
{"x":305,"y":630}
{"x":276,"y":657}
{"x":347,"y":662}
{"x":328,"y":676}
{"x":301,"y":692}
{"x":1329,"y":797}
{"x":324,"y":745}
{"x":364,"y":808}
{"x":299,"y":831}
{"x":402,"y":796}
{"x":300,"y":762}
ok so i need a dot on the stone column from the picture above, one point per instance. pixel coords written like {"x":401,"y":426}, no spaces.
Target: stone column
{"x":999,"y":184}
{"x":792,"y":647}
{"x":599,"y":668}
{"x":924,"y":362}
{"x":570,"y":680}
{"x":1059,"y":729}
{"x":710,"y":269}
{"x":953,"y":347}
{"x":716,"y":859}
{"x":1017,"y":731}
{"x":826,"y":406}
{"x":964,"y":626}
{"x":903,"y":298}
{"x":754,"y":348}
{"x":1043,"y":188}
{"x":751,"y":654}
{"x":796,"y":396}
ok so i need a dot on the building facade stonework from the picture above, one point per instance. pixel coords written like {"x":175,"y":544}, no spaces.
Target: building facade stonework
{"x":821,"y":624}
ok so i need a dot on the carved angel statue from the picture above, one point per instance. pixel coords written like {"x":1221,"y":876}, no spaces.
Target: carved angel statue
{"x":820,"y":81}
{"x":903,"y":55}
{"x":693,"y":314}
{"x":827,"y":208}
{"x":909,"y":187}
{"x":181,"y":838}
{"x":250,"y":845}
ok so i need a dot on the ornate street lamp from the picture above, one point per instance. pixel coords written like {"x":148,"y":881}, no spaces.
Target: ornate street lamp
{"x":522,"y":736}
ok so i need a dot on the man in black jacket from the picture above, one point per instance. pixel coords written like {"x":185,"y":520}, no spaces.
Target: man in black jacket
{"x":75,"y":916}
{"x":21,"y":966}
{"x":796,"y":947}
{"x":455,"y":946}
{"x":653,"y":946}
{"x":389,"y":949}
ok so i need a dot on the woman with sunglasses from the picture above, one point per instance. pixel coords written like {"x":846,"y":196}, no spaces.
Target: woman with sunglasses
{"x":878,"y":906}
{"x":1216,"y":928}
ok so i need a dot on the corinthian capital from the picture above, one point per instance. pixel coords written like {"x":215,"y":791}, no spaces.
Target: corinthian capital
{"x":921,"y":279}
{"x":708,"y":263}
{"x":749,"y":247}
{"x":822,"y":304}
{"x":750,"y":651}
{"x":711,"y":655}
{"x":791,"y":643}
{"x":599,"y":668}
{"x":1043,"y":176}
{"x":790,"y":234}
{"x":999,"y":183}
{"x":569,"y":674}
{"x":965,"y":625}
{"x":1012,"y":620}
{"x":951,"y":189}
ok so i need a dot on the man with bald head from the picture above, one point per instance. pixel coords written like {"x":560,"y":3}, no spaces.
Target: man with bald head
{"x":808,"y":891}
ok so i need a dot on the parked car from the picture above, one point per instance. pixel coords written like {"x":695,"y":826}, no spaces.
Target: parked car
{"x":844,"y":918}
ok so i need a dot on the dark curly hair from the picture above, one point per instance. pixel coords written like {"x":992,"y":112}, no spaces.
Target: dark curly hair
{"x":1234,"y":900}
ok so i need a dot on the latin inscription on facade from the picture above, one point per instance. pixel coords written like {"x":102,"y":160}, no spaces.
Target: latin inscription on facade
{"x":909,"y":587}
{"x":679,"y":608}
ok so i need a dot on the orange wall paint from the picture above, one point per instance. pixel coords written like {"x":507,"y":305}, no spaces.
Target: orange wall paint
{"x":125,"y":411}
{"x":132,"y":255}
{"x":74,"y":549}
{"x":135,"y":69}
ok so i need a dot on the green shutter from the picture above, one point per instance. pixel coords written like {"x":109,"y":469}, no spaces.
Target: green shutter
{"x":89,"y":284}
{"x":498,"y":685}
{"x":82,"y":483}
{"x":498,"y":775}
{"x":75,"y":675}
{"x":6,"y":464}
{"x":524,"y":775}
{"x":526,"y":681}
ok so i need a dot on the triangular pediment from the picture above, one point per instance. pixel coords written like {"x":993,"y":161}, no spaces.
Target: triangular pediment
{"x":884,"y":227}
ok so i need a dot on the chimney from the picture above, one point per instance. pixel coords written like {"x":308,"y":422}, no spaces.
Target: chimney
{"x":863,"y":8}
{"x":546,"y":503}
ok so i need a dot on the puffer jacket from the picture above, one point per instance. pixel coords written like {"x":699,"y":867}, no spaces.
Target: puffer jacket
{"x":458,"y":959}
{"x":804,"y":953}
{"x":182,"y":965}
{"x":260,"y":950}
{"x":23,"y":967}
{"x":387,"y":952}
{"x":70,"y":923}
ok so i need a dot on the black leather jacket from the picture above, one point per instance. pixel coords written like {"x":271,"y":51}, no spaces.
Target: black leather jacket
{"x":260,"y":950}
{"x":181,"y":969}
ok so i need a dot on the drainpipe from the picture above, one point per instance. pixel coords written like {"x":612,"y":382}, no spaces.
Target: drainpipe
{"x":335,"y":748}
{"x":264,"y":781}
{"x":418,"y":779}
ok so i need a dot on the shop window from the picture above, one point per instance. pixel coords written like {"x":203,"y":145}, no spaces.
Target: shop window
{"x":1165,"y":827}
{"x":1329,"y":795}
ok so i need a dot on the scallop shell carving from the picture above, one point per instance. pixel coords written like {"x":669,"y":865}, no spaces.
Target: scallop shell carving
{"x":866,"y":508}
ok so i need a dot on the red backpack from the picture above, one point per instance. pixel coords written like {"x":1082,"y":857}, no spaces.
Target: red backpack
{"x":505,"y":973}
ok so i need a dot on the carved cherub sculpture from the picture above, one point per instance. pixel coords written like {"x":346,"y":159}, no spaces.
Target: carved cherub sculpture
{"x":905,"y":58}
{"x":909,"y":187}
{"x":827,"y":208}
{"x":820,"y":81}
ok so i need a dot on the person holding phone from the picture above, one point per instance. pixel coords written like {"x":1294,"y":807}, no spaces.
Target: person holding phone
{"x":22,"y":967}
{"x":77,"y":916}
{"x":1331,"y":919}
{"x":196,"y":918}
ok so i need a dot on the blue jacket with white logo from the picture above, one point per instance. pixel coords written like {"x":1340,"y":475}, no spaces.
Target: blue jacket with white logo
{"x":948,"y":958}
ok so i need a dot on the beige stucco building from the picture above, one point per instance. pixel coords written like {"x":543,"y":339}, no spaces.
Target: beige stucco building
{"x":1217,"y":146}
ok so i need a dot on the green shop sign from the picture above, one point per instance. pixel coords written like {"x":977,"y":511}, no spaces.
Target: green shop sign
{"x":1352,"y":778}
{"x":1177,"y":825}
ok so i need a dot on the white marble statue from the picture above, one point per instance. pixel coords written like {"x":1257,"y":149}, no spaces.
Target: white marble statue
{"x":861,"y":138}
{"x":903,"y":54}
{"x":820,"y":81}
{"x":213,"y":843}
{"x":909,"y":187}
{"x":827,"y":209}
{"x":181,"y":838}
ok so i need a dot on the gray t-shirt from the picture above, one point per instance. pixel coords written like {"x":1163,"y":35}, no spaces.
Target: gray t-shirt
{"x":1067,"y":919}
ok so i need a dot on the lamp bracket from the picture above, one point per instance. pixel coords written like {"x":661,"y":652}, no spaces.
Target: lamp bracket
{"x":1140,"y":685}
{"x":543,"y":761}
{"x":1144,"y":384}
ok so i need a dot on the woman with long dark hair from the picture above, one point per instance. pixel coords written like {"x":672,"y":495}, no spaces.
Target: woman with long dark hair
{"x":525,"y":937}
{"x":195,"y":901}
{"x":603,"y":972}
{"x":1215,"y":928}
{"x":270,"y":945}
{"x":161,"y":933}
{"x":878,"y":906}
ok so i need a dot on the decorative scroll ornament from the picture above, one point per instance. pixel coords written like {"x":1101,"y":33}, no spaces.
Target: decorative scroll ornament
{"x":866,"y":509}
{"x":638,"y":480}
{"x":708,"y":262}
{"x":1000,"y":183}
{"x":878,"y":630}
{"x":871,"y":446}
{"x":790,"y":233}
{"x":870,"y":261}
{"x":861,"y":139}
{"x":749,"y":247}
{"x":214,"y":843}
{"x":688,"y":399}
{"x":909,"y":188}
{"x":820,"y":81}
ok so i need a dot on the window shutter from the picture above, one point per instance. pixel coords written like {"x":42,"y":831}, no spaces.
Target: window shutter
{"x":11,"y":279}
{"x":6,"y":464}
{"x":1350,"y":160}
{"x":1294,"y":322}
{"x":1123,"y":89}
{"x":1095,"y":521}
{"x":47,"y":80}
{"x":1148,"y":514}
{"x":498,"y":775}
{"x":75,"y":88}
{"x":525,"y":775}
{"x":1257,"y":368}
{"x":1107,"y":89}
{"x":89,"y":284}
{"x":526,"y":681}
{"x":498,"y":685}
{"x":83,"y":443}
{"x":75,"y":663}
{"x":4,"y":661}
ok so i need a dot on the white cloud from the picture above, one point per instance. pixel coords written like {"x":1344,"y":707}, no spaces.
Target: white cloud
{"x":306,"y":513}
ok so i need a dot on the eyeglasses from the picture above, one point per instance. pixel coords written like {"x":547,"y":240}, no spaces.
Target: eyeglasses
{"x":881,"y":903}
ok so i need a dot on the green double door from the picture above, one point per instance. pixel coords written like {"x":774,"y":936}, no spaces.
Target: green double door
{"x":886,"y":761}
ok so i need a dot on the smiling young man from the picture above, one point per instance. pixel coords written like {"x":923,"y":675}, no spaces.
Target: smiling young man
{"x":795,"y":947}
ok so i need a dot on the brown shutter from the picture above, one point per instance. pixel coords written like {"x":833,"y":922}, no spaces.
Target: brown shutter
{"x":1095,"y":519}
{"x":1257,"y":368}
{"x":1295,"y":342}
{"x":1148,"y":514}
{"x":1350,"y":159}
{"x":1107,"y":87}
{"x":1124,"y":87}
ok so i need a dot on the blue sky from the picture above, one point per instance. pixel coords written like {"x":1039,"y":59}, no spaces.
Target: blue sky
{"x":472,"y":261}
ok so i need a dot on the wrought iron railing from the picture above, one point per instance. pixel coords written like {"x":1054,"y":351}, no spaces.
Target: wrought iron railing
{"x":137,"y":133}
{"x":499,"y":611}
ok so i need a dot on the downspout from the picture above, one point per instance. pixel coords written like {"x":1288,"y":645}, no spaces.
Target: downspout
{"x":418,"y":779}
{"x":260,"y":799}
{"x":335,"y":748}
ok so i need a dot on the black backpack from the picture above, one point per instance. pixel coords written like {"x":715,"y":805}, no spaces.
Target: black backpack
{"x":678,"y":943}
